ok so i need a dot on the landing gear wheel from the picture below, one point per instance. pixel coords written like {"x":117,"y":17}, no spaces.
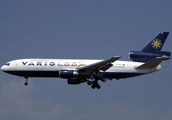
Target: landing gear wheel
{"x":89,"y":82}
{"x":98,"y":86}
{"x":93,"y":86}
{"x":25,"y":83}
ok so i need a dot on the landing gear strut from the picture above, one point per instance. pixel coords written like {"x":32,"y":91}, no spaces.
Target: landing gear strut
{"x":26,"y":79}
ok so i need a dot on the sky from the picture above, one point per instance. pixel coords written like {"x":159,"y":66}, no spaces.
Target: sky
{"x":84,"y":29}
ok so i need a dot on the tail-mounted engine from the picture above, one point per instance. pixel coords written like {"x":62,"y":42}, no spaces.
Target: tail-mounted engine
{"x":140,"y":56}
{"x":151,"y":50}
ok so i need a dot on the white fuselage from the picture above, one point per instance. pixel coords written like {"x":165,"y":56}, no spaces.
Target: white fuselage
{"x":51,"y":67}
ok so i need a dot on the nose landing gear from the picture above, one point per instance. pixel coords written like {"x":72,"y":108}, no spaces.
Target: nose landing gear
{"x":26,"y":79}
{"x":26,"y":83}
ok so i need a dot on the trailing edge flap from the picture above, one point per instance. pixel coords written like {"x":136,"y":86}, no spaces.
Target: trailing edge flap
{"x":152,"y":63}
{"x":102,"y":65}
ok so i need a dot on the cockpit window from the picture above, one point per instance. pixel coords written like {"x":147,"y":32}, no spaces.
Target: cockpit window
{"x":7,"y":64}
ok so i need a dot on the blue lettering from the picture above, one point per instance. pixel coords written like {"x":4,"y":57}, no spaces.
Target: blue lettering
{"x":52,"y":63}
{"x":31,"y":63}
{"x":39,"y":63}
{"x":24,"y":63}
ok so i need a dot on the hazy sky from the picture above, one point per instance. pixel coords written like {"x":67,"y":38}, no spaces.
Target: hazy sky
{"x":86,"y":29}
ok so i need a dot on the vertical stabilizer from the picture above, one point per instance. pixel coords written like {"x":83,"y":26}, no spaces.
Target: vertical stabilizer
{"x":157,"y":43}
{"x":152,"y":50}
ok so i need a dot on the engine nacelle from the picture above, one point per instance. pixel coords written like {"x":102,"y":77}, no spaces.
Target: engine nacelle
{"x":67,"y":74}
{"x":140,"y":56}
{"x":74,"y":81}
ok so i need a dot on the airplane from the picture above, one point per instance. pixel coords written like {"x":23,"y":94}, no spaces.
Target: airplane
{"x":78,"y":71}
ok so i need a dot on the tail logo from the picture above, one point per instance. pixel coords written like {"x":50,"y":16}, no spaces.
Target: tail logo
{"x":156,"y":44}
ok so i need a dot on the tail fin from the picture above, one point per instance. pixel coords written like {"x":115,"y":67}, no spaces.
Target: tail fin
{"x":152,"y":50}
{"x":157,"y":43}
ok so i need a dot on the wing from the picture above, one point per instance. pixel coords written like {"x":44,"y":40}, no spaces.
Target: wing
{"x":152,"y":63}
{"x":94,"y":68}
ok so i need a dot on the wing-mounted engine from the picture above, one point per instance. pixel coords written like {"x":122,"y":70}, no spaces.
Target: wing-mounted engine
{"x":74,"y":81}
{"x":72,"y":77}
{"x":68,"y":74}
{"x":140,"y":56}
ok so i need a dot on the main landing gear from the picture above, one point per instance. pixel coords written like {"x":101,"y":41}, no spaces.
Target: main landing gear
{"x":94,"y":84}
{"x":95,"y":76}
{"x":26,"y":81}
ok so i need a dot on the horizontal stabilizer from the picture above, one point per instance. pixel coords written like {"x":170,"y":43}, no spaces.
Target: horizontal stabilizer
{"x":152,"y":63}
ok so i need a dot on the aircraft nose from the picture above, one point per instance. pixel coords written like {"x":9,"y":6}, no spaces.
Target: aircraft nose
{"x":3,"y":68}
